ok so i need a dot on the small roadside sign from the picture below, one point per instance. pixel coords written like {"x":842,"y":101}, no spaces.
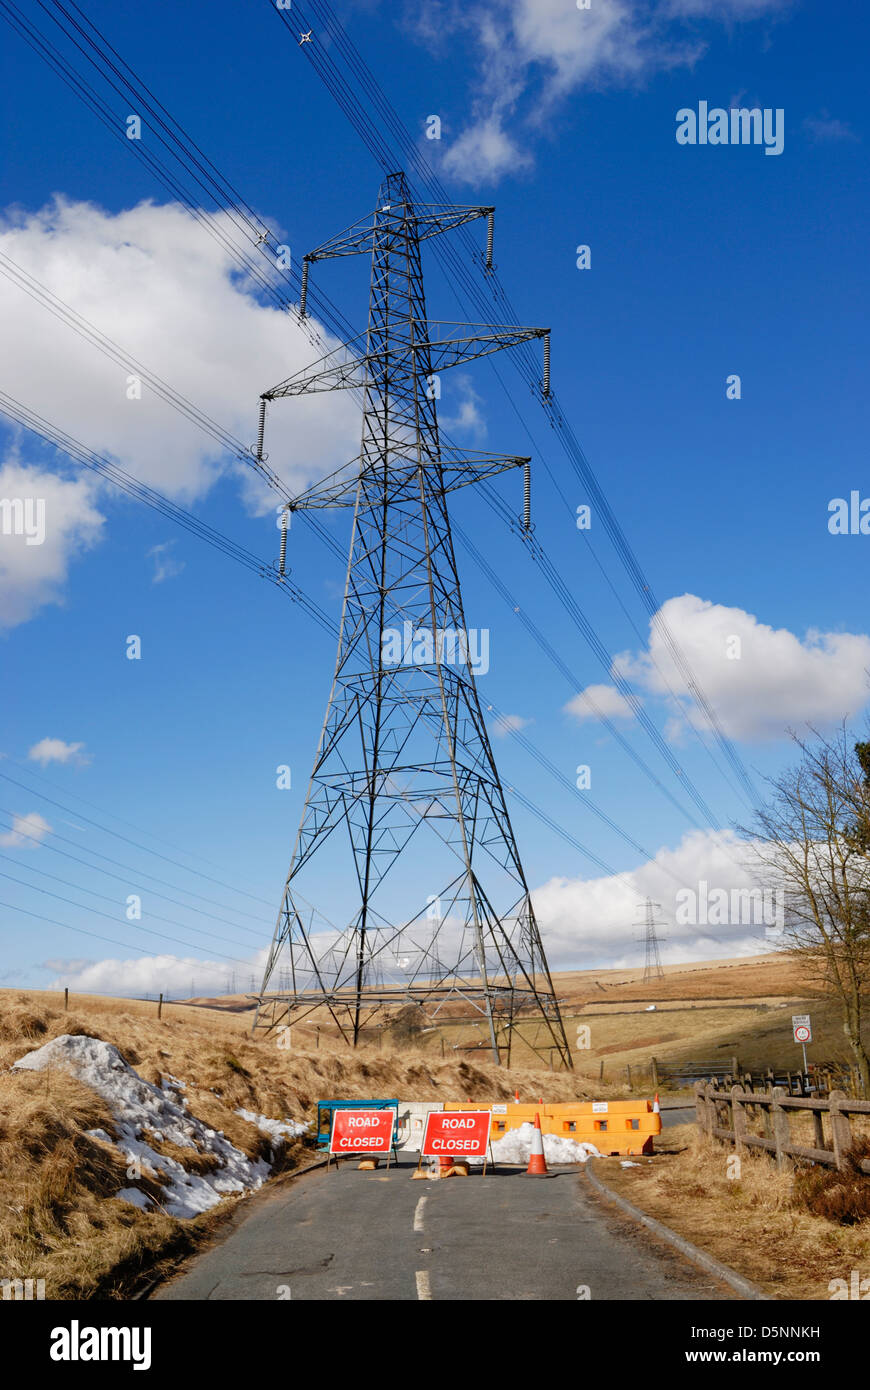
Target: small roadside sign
{"x":361,"y":1131}
{"x":464,"y":1133}
{"x":803,"y":1030}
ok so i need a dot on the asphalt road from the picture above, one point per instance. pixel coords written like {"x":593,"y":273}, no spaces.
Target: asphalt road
{"x":380,"y":1236}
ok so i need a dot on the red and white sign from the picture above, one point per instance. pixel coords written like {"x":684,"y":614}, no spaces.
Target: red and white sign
{"x":361,"y":1131}
{"x":463,"y":1133}
{"x":803,"y":1028}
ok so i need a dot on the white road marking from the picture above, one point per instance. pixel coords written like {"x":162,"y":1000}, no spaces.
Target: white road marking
{"x":418,"y":1214}
{"x":423,"y":1290}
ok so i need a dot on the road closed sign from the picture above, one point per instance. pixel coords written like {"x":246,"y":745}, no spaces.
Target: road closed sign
{"x":361,"y":1131}
{"x":464,"y":1133}
{"x":803,"y":1031}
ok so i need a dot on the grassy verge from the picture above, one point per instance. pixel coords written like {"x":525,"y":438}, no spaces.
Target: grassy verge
{"x":60,"y":1218}
{"x":757,"y":1222}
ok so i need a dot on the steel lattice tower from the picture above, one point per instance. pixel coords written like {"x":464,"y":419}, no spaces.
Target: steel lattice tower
{"x":404,"y":783}
{"x":652,"y":968}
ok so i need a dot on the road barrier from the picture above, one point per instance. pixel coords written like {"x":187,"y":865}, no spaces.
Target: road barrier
{"x":613,"y":1126}
{"x":412,"y":1122}
{"x":327,"y":1108}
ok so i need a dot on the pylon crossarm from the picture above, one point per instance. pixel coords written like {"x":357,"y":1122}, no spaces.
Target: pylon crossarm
{"x":443,"y":353}
{"x":350,"y":372}
{"x":339,"y":489}
{"x":430,"y":220}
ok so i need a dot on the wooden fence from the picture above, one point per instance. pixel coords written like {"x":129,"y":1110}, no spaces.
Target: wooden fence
{"x":737,"y":1106}
{"x":819,"y":1080}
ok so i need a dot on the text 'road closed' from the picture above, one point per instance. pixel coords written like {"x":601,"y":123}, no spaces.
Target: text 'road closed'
{"x":361,"y":1131}
{"x":457,"y":1132}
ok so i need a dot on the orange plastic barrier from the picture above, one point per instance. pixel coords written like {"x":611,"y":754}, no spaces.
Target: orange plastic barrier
{"x":613,"y":1126}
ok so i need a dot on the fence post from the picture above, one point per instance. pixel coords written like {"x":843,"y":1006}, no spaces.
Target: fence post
{"x":818,"y":1129}
{"x":628,"y":1075}
{"x":841,"y":1130}
{"x":738,"y":1119}
{"x":700,"y":1106}
{"x":160,"y":1007}
{"x":601,"y":1070}
{"x":781,"y":1128}
{"x":655,"y":1073}
{"x":66,"y":998}
{"x":735,"y":1067}
{"x":709,"y":1108}
{"x":767,"y":1120}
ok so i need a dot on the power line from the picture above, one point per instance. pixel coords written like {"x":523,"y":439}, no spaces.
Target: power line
{"x":229,"y":442}
{"x":192,"y":156}
{"x":132,"y":875}
{"x":320,"y":58}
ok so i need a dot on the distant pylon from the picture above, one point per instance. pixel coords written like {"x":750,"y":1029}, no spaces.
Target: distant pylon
{"x":652,"y":969}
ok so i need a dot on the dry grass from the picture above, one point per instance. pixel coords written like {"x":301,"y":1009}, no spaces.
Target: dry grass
{"x":58,"y":1217}
{"x":758,"y":1223}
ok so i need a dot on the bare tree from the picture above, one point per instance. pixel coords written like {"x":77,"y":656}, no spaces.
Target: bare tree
{"x":813,"y":839}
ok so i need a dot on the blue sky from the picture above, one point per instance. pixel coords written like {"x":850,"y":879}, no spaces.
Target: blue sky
{"x":706,"y":261}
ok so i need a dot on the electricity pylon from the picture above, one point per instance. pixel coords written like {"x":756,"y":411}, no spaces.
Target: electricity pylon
{"x":405,"y":813}
{"x":652,"y":969}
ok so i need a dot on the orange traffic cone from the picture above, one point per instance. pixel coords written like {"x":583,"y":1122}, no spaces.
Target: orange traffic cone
{"x":537,"y":1162}
{"x":517,"y":1097}
{"x":656,"y":1107}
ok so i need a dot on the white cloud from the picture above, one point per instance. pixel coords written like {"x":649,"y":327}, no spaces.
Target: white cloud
{"x":584,"y":923}
{"x":598,"y":700}
{"x":26,"y":833}
{"x":826,"y":129}
{"x":34,"y":575}
{"x":54,"y":750}
{"x":504,"y":724}
{"x":594,"y":922}
{"x":165,"y":564}
{"x":485,"y":151}
{"x":532,"y":53}
{"x":166,"y":974}
{"x":171,"y":296}
{"x":467,"y":417}
{"x":775,"y":682}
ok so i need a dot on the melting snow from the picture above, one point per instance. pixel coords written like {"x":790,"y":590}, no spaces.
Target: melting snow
{"x":279,"y":1131}
{"x":516,"y":1145}
{"x":139,"y":1108}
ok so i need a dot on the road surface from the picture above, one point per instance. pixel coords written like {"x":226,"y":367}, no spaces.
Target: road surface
{"x":380,"y":1236}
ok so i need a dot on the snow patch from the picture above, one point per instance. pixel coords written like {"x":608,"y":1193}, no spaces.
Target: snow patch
{"x":516,"y":1146}
{"x":135,"y":1197}
{"x":138,"y":1108}
{"x":279,"y":1131}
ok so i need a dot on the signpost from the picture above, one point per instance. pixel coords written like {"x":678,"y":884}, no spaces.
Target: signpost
{"x":362,"y":1132}
{"x":457,"y":1134}
{"x":803,"y":1033}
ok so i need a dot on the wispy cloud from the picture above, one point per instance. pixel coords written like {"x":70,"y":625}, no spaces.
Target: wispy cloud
{"x":26,"y":833}
{"x":826,"y":129}
{"x":504,"y":724}
{"x":54,"y":750}
{"x":165,"y":564}
{"x":531,"y":54}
